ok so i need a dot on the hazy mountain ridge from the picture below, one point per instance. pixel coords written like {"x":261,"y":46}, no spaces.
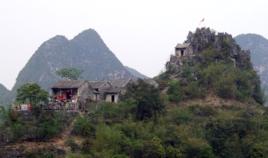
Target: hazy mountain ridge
{"x":136,"y":73}
{"x":3,"y":93}
{"x":258,"y":45}
{"x":86,"y":52}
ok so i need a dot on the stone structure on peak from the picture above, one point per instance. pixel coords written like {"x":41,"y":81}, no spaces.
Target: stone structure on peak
{"x":182,"y":50}
{"x":204,"y":39}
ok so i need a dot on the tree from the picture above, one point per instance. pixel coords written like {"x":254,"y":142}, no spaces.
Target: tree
{"x":4,"y":115}
{"x":31,"y":93}
{"x":69,"y":73}
{"x":147,"y":98}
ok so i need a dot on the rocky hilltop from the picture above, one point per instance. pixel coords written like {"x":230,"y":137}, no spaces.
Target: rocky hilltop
{"x":86,"y":52}
{"x":205,"y":39}
{"x":211,"y":63}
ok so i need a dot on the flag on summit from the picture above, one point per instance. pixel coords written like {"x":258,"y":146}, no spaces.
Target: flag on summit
{"x":201,"y":23}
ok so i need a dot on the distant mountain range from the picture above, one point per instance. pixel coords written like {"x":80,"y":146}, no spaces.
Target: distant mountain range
{"x":86,"y":52}
{"x":258,"y":46}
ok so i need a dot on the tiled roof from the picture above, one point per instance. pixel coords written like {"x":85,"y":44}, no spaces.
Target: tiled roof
{"x":68,"y":84}
{"x":184,"y":45}
{"x":113,"y":86}
{"x":119,"y":83}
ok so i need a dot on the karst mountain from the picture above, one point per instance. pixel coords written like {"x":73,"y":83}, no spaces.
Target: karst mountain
{"x":258,"y":46}
{"x":86,"y":52}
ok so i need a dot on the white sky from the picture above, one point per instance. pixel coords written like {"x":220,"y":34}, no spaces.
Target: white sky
{"x":141,"y":33}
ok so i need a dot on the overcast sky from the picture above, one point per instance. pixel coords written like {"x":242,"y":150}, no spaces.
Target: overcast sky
{"x":141,"y":33}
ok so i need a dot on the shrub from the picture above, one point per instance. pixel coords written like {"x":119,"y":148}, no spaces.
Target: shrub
{"x":182,"y":115}
{"x":48,"y":128}
{"x":258,"y":150}
{"x":72,"y":144}
{"x":226,"y":88}
{"x":86,"y":146}
{"x":198,"y":148}
{"x":153,"y":148}
{"x":147,"y":99}
{"x":83,"y":127}
{"x":18,"y":130}
{"x":172,"y":152}
{"x":112,"y":113}
{"x":108,"y":138}
{"x":193,"y":90}
{"x":225,"y":135}
{"x":174,"y":91}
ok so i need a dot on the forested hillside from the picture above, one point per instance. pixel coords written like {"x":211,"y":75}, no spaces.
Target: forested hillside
{"x":207,"y":104}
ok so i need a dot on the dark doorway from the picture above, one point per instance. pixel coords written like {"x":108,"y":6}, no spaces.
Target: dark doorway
{"x":113,"y":98}
{"x":182,"y":52}
{"x":68,"y":95}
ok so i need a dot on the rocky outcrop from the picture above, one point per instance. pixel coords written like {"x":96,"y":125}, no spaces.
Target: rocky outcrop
{"x":204,"y":39}
{"x":212,"y":63}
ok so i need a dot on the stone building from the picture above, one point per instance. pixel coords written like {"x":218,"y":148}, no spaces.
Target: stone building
{"x":89,"y":91}
{"x":183,"y":50}
{"x":105,"y":91}
{"x":72,"y":91}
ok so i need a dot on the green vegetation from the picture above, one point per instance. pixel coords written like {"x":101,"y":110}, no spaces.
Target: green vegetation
{"x":174,"y":93}
{"x":25,"y":126}
{"x":142,"y":126}
{"x":196,"y":131}
{"x":215,"y":73}
{"x":50,"y":152}
{"x":31,"y":93}
{"x":35,"y":124}
{"x":199,"y":131}
{"x":147,"y":100}
{"x":149,"y":123}
{"x":69,"y":73}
